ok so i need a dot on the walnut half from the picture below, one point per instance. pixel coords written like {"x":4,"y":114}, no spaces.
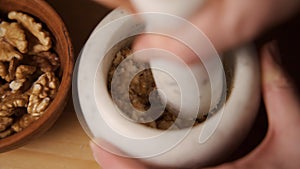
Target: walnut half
{"x":23,"y":122}
{"x":22,"y":74}
{"x":5,"y":122}
{"x":42,"y":92}
{"x":34,"y":28}
{"x":14,"y":35}
{"x":7,"y":52}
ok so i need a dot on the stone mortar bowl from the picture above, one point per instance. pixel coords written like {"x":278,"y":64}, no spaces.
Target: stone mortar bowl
{"x":204,"y":144}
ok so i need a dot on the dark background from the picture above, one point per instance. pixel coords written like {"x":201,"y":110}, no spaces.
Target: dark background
{"x":80,"y":17}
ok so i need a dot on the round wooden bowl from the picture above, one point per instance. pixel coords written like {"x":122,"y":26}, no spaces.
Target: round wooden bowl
{"x":63,"y":47}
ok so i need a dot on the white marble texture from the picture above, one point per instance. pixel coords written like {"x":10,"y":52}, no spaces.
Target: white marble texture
{"x":201,"y":145}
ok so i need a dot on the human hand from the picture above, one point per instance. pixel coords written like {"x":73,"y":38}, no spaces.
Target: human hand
{"x":280,"y":147}
{"x":227,"y":23}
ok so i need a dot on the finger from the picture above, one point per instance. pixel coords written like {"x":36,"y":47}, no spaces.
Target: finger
{"x":228,"y":24}
{"x":117,"y":3}
{"x":220,"y":21}
{"x":283,"y":108}
{"x":280,"y":95}
{"x":110,"y":3}
{"x":152,"y":41}
{"x":280,"y":146}
{"x":108,"y":161}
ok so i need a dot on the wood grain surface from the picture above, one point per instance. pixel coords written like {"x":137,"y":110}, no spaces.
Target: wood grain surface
{"x":64,"y":146}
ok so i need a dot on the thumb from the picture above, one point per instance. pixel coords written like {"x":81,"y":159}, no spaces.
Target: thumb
{"x":280,"y":146}
{"x":280,"y":94}
{"x":108,"y":160}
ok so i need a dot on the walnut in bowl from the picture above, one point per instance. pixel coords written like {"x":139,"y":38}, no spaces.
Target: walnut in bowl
{"x":36,"y":63}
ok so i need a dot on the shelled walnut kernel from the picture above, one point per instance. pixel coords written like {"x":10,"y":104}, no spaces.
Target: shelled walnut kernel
{"x":28,"y":72}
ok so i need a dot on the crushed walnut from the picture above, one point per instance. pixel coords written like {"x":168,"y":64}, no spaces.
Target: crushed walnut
{"x":139,"y":90}
{"x":29,"y":70}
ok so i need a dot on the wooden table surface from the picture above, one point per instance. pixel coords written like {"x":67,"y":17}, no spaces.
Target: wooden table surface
{"x":65,"y":145}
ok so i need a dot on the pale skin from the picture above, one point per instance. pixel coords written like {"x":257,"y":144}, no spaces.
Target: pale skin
{"x":245,"y":19}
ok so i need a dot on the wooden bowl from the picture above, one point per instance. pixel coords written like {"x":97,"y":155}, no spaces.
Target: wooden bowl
{"x":63,"y":47}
